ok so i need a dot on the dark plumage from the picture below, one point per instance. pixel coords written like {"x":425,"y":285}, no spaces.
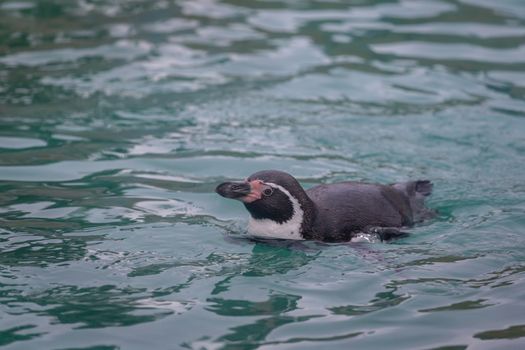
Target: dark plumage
{"x":333,"y":212}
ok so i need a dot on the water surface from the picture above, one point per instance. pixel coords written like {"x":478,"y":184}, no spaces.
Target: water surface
{"x":118,"y":119}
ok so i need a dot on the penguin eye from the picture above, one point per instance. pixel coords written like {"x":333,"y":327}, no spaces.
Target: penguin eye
{"x":268,"y":191}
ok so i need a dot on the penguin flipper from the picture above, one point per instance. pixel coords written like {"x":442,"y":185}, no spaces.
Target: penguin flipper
{"x":386,"y":233}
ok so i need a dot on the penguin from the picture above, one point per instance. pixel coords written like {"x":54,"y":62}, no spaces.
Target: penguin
{"x":280,"y":208}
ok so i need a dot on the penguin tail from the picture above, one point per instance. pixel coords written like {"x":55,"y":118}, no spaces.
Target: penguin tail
{"x":416,"y":192}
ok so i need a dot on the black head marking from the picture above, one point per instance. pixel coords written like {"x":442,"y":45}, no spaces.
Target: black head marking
{"x":278,"y":206}
{"x":275,"y":206}
{"x":270,"y":191}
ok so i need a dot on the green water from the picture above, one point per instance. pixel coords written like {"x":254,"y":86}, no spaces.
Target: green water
{"x":119,"y":118}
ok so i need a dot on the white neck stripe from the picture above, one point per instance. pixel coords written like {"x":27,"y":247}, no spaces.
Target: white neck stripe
{"x":290,"y":229}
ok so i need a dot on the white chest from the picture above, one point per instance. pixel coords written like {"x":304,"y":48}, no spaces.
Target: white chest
{"x":271,"y":229}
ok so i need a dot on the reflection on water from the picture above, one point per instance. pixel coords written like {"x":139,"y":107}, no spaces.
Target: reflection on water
{"x":118,"y":119}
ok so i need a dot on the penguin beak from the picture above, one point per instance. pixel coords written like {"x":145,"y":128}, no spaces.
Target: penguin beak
{"x":234,"y":190}
{"x":246,"y":192}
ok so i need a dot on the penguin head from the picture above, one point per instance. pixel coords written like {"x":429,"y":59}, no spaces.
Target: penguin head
{"x":270,"y":194}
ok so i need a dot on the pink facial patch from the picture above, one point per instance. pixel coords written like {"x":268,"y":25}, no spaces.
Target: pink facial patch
{"x":256,"y":187}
